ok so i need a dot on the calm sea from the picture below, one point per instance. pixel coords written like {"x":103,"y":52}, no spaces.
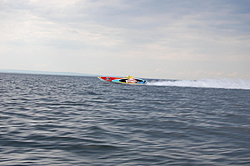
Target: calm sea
{"x":66,"y":120}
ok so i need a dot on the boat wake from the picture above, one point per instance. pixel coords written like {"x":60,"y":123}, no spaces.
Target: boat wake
{"x":205,"y":83}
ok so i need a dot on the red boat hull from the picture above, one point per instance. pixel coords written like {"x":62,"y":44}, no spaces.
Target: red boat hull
{"x":109,"y":79}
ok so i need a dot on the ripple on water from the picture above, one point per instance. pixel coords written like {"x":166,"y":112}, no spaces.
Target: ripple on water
{"x":58,"y":120}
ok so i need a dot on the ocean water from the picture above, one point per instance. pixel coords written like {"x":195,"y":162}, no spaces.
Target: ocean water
{"x":66,"y":120}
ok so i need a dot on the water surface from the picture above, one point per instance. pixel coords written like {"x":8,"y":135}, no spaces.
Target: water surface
{"x":66,"y":120}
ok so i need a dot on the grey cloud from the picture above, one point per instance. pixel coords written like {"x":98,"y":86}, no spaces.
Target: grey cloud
{"x":195,"y":25}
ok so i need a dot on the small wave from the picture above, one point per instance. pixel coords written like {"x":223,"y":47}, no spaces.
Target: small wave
{"x":205,"y":83}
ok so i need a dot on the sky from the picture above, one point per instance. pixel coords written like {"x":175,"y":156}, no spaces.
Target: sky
{"x":167,"y":39}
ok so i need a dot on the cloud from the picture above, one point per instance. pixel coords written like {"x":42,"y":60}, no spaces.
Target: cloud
{"x":162,"y":31}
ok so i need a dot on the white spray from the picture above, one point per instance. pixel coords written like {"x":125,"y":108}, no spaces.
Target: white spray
{"x":205,"y":83}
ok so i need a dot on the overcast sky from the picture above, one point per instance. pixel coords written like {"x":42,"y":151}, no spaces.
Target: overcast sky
{"x":170,"y":39}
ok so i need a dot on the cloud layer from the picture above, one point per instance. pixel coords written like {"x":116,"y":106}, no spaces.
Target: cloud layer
{"x":160,"y":39}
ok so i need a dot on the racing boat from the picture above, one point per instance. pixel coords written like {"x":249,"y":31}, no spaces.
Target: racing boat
{"x":124,"y":80}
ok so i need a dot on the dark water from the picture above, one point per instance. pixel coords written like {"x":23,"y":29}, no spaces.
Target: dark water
{"x":60,"y":120}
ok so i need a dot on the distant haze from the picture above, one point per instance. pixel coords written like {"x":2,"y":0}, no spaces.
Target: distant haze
{"x":169,"y":39}
{"x":45,"y":72}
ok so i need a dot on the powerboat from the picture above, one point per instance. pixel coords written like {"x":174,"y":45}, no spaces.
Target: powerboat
{"x":124,"y":80}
